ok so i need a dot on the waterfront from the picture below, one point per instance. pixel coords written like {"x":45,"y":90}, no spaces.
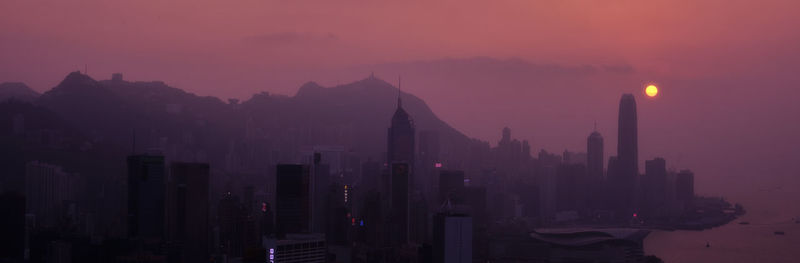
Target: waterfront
{"x":770,"y":207}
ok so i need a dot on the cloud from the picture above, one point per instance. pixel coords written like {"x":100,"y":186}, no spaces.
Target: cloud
{"x":291,"y":38}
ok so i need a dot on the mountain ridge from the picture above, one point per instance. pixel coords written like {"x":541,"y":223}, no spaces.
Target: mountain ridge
{"x":355,"y":115}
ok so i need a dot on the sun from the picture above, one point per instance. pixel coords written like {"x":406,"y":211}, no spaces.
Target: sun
{"x":651,"y":90}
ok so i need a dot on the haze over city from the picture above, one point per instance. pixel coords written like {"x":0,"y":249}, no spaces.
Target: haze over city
{"x":551,"y":71}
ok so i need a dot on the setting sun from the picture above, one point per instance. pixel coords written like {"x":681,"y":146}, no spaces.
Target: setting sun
{"x":651,"y":90}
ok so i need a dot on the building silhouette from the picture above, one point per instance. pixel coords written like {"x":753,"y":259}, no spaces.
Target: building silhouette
{"x":146,"y":189}
{"x":296,"y":248}
{"x":231,"y":220}
{"x":594,"y":156}
{"x":451,"y":186}
{"x":684,"y":188}
{"x":623,"y":182}
{"x":400,"y":157}
{"x":293,"y":199}
{"x":654,"y":187}
{"x":12,"y":225}
{"x":401,"y":138}
{"x":187,"y":210}
{"x":399,"y":203}
{"x":428,"y":152}
{"x":452,"y":237}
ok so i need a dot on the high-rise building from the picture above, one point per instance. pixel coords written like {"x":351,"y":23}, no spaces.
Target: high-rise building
{"x":12,"y":225}
{"x":320,"y":187}
{"x":400,"y":156}
{"x":594,"y":156}
{"x":47,"y":187}
{"x":570,"y":187}
{"x":594,"y":170}
{"x":401,"y":138}
{"x":297,"y":248}
{"x":684,"y":188}
{"x":146,"y":189}
{"x":627,"y":140}
{"x":452,"y":238}
{"x":370,"y":175}
{"x":293,"y":199}
{"x":231,"y":219}
{"x":399,"y":212}
{"x":187,"y":210}
{"x":451,"y":186}
{"x":623,"y":183}
{"x":654,"y":192}
{"x":429,"y":148}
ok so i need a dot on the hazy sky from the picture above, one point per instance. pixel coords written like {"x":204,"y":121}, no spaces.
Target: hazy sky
{"x":728,"y":68}
{"x":213,"y":47}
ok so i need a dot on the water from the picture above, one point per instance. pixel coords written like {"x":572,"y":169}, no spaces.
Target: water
{"x":770,"y":207}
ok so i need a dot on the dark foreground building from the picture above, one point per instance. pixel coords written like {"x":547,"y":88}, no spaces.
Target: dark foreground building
{"x":146,"y":182}
{"x":624,"y":179}
{"x":12,"y":227}
{"x":187,"y":211}
{"x":293,"y":199}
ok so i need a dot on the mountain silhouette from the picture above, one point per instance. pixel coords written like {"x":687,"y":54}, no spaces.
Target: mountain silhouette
{"x":354,"y":115}
{"x":18,"y":91}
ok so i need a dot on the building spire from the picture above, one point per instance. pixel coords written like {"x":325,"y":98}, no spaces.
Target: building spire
{"x":399,"y":91}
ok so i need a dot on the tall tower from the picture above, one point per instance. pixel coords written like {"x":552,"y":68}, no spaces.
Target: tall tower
{"x":594,"y":170}
{"x":187,"y":209}
{"x":594,"y":157}
{"x":293,"y":199}
{"x":401,"y":137}
{"x":146,"y":189}
{"x":400,"y":157}
{"x":627,"y":143}
{"x":624,"y":180}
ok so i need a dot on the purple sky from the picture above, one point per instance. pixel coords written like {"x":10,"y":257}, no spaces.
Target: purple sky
{"x":727,"y":69}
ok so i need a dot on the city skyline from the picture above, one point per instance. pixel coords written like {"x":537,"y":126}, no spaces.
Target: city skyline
{"x":402,"y":132}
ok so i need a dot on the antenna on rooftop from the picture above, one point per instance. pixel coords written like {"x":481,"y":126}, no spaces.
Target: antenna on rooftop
{"x":399,"y":90}
{"x":133,"y":142}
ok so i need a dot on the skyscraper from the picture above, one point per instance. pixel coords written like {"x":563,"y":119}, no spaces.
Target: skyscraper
{"x":429,"y":148}
{"x":401,"y":137}
{"x":187,"y":210}
{"x":451,"y":186}
{"x":231,"y":219}
{"x":452,"y":237}
{"x":594,"y":170}
{"x":627,"y":140}
{"x":146,"y":189}
{"x":594,"y":156}
{"x":12,"y":225}
{"x":293,"y":199}
{"x":624,"y":181}
{"x":684,"y":188}
{"x":654,"y":186}
{"x":399,"y":213}
{"x":400,"y":156}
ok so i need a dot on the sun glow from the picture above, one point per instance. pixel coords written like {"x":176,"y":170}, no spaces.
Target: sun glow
{"x":651,"y":90}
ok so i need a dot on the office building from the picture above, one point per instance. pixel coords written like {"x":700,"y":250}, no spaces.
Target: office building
{"x":12,"y":227}
{"x":293,"y":199}
{"x":624,"y":181}
{"x":451,"y":186}
{"x":399,"y":203}
{"x":146,"y":189}
{"x":188,"y":211}
{"x":684,"y":188}
{"x":452,"y":238}
{"x":297,"y":248}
